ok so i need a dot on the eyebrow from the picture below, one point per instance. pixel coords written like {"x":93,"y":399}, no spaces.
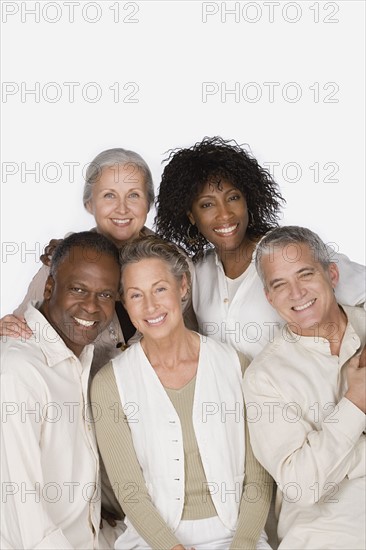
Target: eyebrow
{"x":85,"y":285}
{"x":227,"y":192}
{"x":153,"y":284}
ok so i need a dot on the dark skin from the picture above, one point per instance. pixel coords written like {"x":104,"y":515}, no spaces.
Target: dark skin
{"x":79,"y":299}
{"x":87,"y":290}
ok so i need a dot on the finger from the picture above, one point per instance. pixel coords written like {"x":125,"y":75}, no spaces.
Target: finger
{"x":45,"y":259}
{"x":11,"y":325}
{"x":15,"y":334}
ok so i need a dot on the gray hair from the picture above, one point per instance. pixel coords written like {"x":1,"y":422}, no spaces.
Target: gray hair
{"x":116,"y":157}
{"x":151,"y":246}
{"x":291,"y":235}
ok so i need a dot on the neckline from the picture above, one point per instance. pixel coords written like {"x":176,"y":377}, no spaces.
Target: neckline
{"x":177,"y":390}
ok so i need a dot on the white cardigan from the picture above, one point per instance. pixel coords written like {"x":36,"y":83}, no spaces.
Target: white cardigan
{"x":218,"y":422}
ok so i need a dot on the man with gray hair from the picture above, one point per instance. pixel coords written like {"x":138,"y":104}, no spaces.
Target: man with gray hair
{"x":306,"y":397}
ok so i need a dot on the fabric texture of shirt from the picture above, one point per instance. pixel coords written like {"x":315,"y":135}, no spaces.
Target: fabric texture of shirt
{"x":248,"y":322}
{"x":49,"y":458}
{"x":218,"y":420}
{"x":310,"y":437}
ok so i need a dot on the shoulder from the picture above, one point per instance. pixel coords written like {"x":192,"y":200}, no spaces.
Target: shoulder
{"x":221,"y":354}
{"x":206,"y":263}
{"x":264,"y":364}
{"x":146,"y":231}
{"x":23,"y":370}
{"x":17,"y":353}
{"x":128,"y":358}
{"x":357,"y":318}
{"x":104,"y":382}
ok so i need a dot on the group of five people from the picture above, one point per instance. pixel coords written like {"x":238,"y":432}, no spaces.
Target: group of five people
{"x":169,"y":411}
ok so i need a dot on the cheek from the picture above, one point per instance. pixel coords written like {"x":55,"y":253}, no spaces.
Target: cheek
{"x":132,"y":309}
{"x":202,"y":222}
{"x":96,"y":209}
{"x":140,"y":209}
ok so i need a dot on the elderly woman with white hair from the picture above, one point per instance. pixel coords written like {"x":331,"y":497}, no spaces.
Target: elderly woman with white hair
{"x":118,"y":192}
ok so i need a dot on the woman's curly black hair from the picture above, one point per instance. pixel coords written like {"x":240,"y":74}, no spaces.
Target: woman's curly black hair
{"x":213,"y":160}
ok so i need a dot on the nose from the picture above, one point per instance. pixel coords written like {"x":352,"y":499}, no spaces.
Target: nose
{"x":296,"y":290}
{"x":223,"y":210}
{"x":121,"y":205}
{"x":150,"y":304}
{"x":90,"y":303}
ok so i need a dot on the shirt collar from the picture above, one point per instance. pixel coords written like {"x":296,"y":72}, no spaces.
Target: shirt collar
{"x":350,"y":341}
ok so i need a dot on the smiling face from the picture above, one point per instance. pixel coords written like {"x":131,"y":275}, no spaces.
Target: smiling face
{"x":301,"y":289}
{"x":221,"y":215}
{"x":119,"y":202}
{"x":79,"y":299}
{"x":153,"y":297}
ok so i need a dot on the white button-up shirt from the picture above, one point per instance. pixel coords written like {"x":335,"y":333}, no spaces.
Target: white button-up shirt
{"x":310,"y":438}
{"x":49,"y":459}
{"x":248,"y":322}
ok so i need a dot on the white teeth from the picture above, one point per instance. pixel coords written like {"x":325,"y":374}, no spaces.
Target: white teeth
{"x":155,"y":321}
{"x":84,"y":323}
{"x":300,"y":308}
{"x":226,"y":229}
{"x":120,"y":222}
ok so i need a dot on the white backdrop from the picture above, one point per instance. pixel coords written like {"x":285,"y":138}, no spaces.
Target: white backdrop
{"x":286,"y":78}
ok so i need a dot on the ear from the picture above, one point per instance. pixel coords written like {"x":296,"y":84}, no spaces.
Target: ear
{"x":89,"y":206}
{"x":184,"y":289}
{"x":191,"y":218}
{"x":268,"y":295}
{"x":49,"y":286}
{"x":333,"y":274}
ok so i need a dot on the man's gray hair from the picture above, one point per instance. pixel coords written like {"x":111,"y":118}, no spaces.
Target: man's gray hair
{"x":291,"y":235}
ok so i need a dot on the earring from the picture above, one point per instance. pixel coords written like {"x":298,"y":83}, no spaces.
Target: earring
{"x":192,"y":240}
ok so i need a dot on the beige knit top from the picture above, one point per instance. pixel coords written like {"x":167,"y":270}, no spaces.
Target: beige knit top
{"x":116,"y":447}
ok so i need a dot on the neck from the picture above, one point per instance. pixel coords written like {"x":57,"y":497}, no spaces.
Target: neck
{"x":332,"y":330}
{"x":171,"y":351}
{"x":235,"y":262}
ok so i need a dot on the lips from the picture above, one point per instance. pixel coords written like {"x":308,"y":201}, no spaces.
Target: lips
{"x":84,"y":322}
{"x":304,"y":306}
{"x":121,"y":222}
{"x":226,"y":229}
{"x":156,"y":320}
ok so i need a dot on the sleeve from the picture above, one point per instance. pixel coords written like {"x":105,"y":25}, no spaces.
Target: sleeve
{"x":35,"y":290}
{"x":304,"y":461}
{"x":123,"y":469}
{"x":351,"y":288}
{"x":25,"y":520}
{"x":255,"y":501}
{"x":358,"y":465}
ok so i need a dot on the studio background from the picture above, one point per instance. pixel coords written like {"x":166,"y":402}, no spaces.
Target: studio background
{"x":285,"y":78}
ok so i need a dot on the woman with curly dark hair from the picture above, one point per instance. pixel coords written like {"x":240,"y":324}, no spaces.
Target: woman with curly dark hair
{"x":216,"y":201}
